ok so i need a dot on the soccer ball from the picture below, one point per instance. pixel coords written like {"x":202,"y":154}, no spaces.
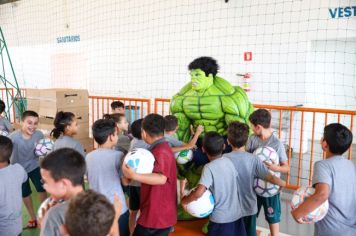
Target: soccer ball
{"x":203,"y":206}
{"x":43,"y":147}
{"x":261,"y":187}
{"x":300,"y":195}
{"x":4,"y":133}
{"x":141,"y":160}
{"x":184,"y":156}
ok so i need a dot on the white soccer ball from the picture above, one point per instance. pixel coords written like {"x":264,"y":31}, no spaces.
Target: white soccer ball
{"x":184,"y":156}
{"x":300,"y":195}
{"x":203,"y":206}
{"x":261,"y":187}
{"x":4,"y":133}
{"x":141,"y":160}
{"x":43,"y":147}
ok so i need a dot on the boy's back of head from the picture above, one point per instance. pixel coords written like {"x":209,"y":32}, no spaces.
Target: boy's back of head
{"x":338,"y":137}
{"x":117,"y":104}
{"x":102,"y":129}
{"x":65,"y":163}
{"x":116,"y":117}
{"x":89,"y":213}
{"x":213,"y":144}
{"x":2,"y":106}
{"x":153,"y":124}
{"x":29,"y":113}
{"x":261,"y":117}
{"x":136,"y":127}
{"x":170,"y":123}
{"x":6,"y":147}
{"x":237,"y":134}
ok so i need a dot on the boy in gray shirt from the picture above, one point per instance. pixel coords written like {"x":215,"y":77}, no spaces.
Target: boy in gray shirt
{"x":263,"y":136}
{"x":248,"y":167}
{"x":104,"y":167}
{"x":11,"y":179}
{"x":24,"y":142}
{"x":62,"y":173}
{"x":220,"y":177}
{"x":334,"y":179}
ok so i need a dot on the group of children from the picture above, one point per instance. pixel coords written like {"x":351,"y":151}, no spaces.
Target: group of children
{"x":152,"y":204}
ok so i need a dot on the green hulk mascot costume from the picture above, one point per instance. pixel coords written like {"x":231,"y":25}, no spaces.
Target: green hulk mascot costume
{"x":210,"y":101}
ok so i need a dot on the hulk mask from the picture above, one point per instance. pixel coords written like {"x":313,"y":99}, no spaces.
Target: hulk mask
{"x":200,"y":81}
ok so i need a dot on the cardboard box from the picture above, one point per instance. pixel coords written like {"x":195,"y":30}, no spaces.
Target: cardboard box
{"x":54,"y":100}
{"x":81,"y":113}
{"x":47,"y":102}
{"x":46,"y":129}
{"x":33,"y":93}
{"x":33,"y":104}
{"x":17,"y":126}
{"x":64,"y":97}
{"x":87,"y":144}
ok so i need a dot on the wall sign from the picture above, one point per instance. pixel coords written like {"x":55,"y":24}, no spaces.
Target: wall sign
{"x":247,"y":56}
{"x":68,"y":39}
{"x":342,"y":12}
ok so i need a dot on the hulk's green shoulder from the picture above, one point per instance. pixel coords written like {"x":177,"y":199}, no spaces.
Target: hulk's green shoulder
{"x":223,"y":85}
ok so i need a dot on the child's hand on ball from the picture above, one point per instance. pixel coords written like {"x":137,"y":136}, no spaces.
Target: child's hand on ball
{"x":128,"y":171}
{"x":271,"y":166}
{"x":296,"y":217}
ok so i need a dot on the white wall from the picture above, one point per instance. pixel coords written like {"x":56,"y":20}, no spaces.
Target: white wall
{"x":142,"y":48}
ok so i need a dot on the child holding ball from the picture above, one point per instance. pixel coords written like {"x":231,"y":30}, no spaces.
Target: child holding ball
{"x":333,"y":180}
{"x":158,"y":203}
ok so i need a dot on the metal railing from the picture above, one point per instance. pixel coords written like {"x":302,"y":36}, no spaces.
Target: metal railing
{"x":300,"y":129}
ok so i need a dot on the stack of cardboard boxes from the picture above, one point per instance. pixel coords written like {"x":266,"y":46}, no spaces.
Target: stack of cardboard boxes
{"x":47,"y":102}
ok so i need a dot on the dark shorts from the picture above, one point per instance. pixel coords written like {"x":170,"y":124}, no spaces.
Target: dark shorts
{"x":271,"y":208}
{"x":124,"y":224}
{"x":250,"y":225}
{"x":125,"y":189}
{"x":236,"y":228}
{"x":35,"y":177}
{"x":143,"y":231}
{"x":134,"y":198}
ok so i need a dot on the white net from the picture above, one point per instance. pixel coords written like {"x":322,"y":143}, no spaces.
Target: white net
{"x":300,"y":53}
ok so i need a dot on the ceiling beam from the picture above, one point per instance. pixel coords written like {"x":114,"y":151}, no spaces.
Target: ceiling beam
{"x":7,"y":1}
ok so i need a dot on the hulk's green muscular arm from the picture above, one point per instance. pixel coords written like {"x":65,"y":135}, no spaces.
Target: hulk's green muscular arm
{"x":237,"y":107}
{"x":176,"y":107}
